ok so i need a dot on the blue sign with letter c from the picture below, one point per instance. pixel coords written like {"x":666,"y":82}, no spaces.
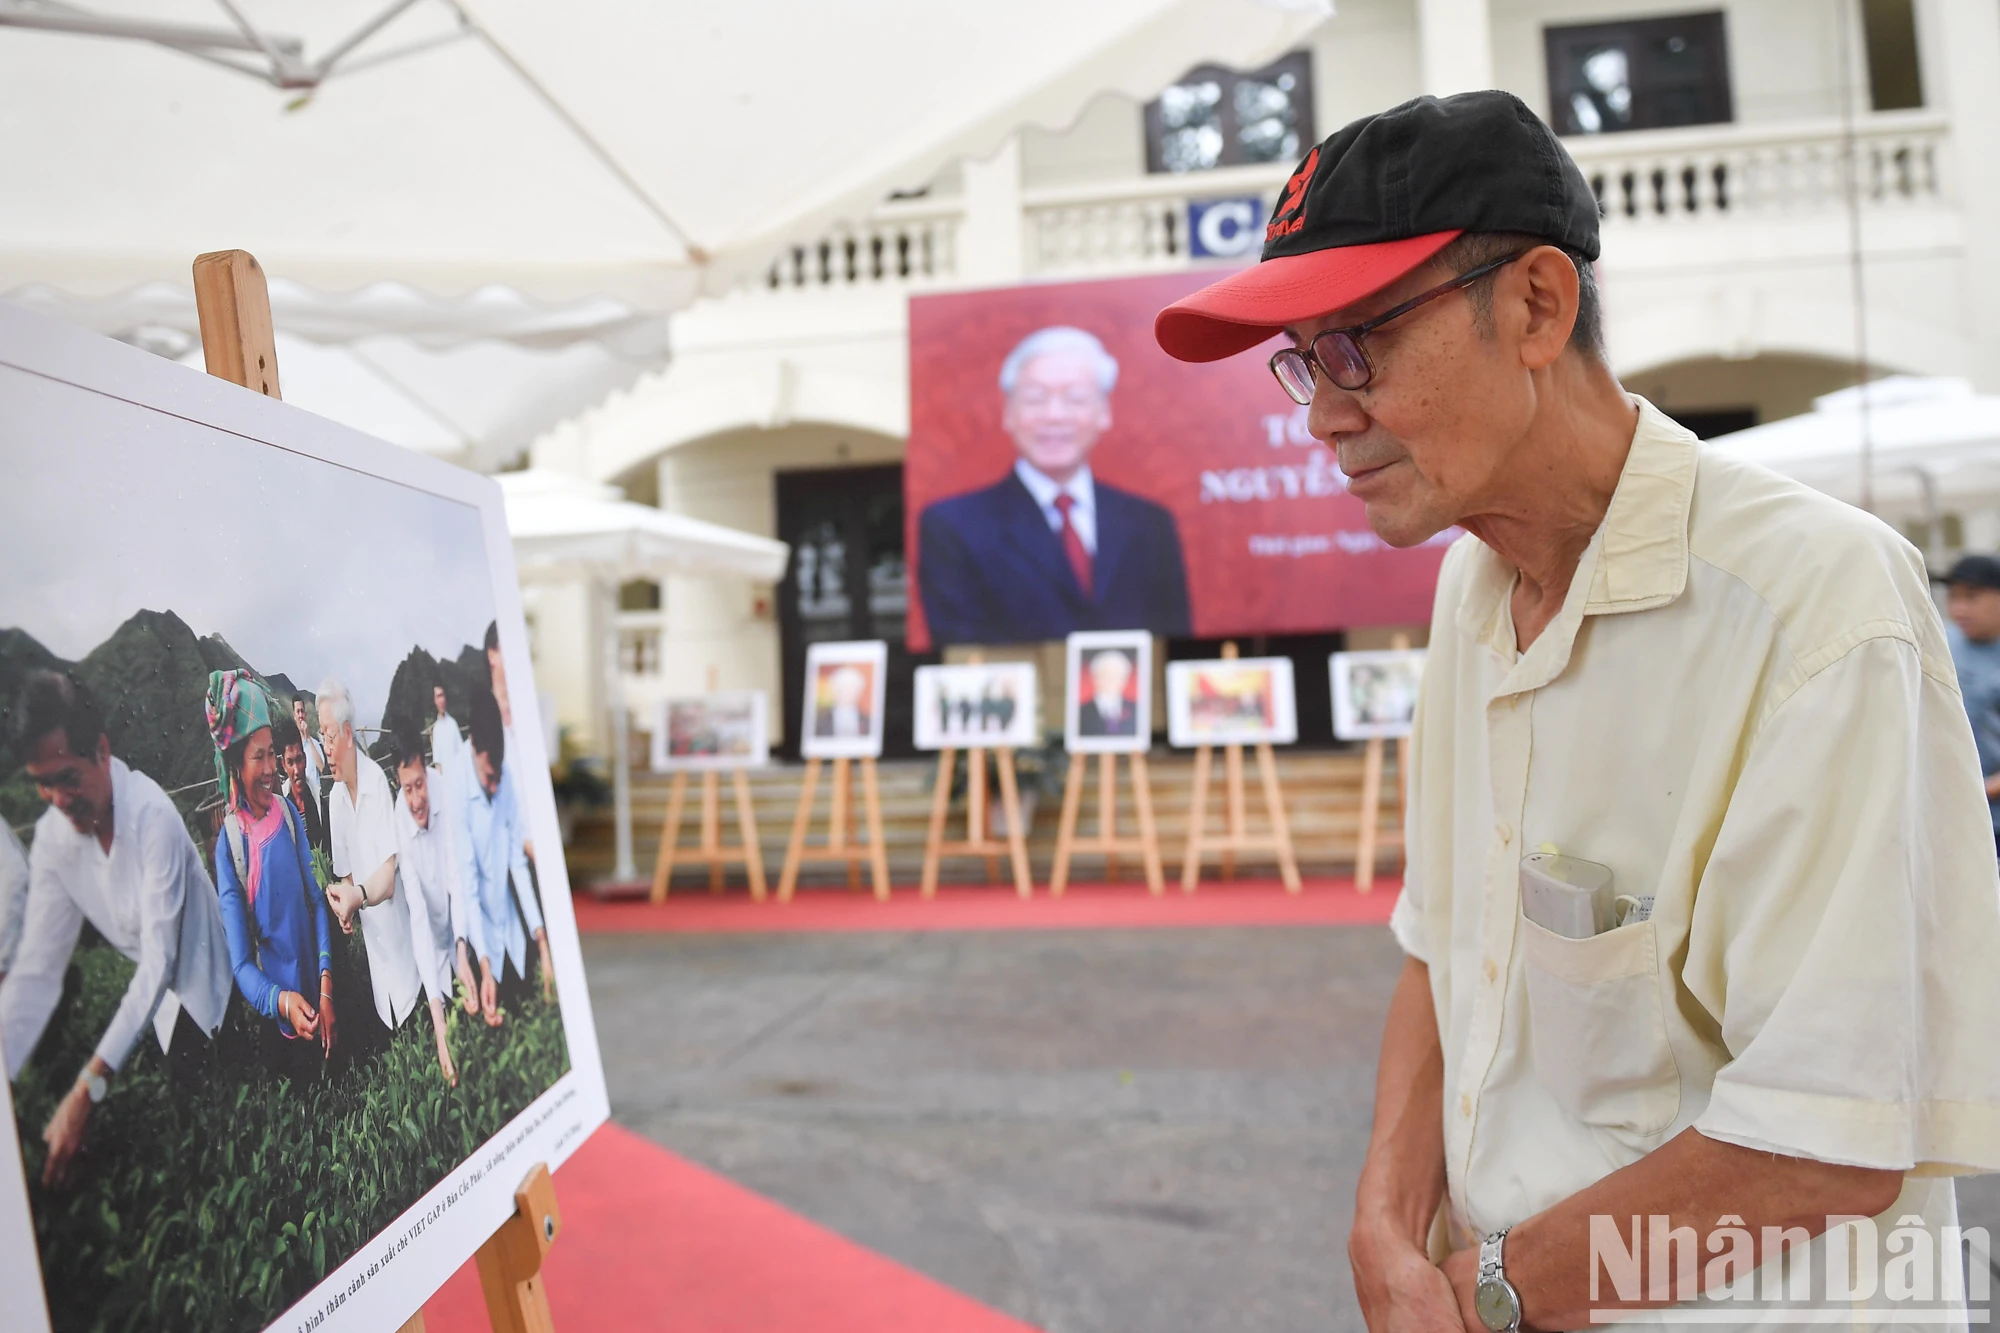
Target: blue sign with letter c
{"x":1225,"y":228}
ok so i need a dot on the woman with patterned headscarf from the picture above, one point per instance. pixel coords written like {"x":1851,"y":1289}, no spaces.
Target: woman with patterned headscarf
{"x":273,"y":918}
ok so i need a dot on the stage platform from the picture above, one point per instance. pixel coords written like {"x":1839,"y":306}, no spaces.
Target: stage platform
{"x":1127,"y":905}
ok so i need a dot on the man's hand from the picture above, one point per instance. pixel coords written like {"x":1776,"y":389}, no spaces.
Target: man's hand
{"x":1993,"y":786}
{"x":489,"y":995}
{"x":467,"y":980}
{"x":66,"y":1132}
{"x":326,"y":1013}
{"x":548,"y":968}
{"x":344,"y":897}
{"x":1401,"y":1290}
{"x":1461,"y":1270}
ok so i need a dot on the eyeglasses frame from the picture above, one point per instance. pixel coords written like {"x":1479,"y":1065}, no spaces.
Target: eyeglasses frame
{"x":1316,"y":368}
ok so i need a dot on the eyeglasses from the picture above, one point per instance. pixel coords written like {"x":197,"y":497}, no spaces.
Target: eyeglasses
{"x":1338,"y":353}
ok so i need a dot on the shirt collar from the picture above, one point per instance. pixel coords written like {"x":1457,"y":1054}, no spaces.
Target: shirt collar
{"x":1637,"y":559}
{"x":1045,"y":491}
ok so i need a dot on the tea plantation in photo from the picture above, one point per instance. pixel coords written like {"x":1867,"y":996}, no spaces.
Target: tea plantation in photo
{"x":218,"y":1205}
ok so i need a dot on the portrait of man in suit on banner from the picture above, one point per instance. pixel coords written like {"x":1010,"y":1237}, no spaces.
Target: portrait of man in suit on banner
{"x":1048,"y":549}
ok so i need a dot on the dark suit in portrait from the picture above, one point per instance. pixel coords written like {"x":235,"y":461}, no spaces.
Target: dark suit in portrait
{"x":991,"y":570}
{"x":1091,"y":721}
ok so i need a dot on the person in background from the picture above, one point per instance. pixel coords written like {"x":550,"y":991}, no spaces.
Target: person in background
{"x":447,"y":745}
{"x":314,"y":754}
{"x":1972,"y":599}
{"x":361,"y":824}
{"x":490,"y":857}
{"x":496,"y":674}
{"x":112,"y":850}
{"x":298,"y":783}
{"x":272,"y":914}
{"x":427,"y":871}
{"x":13,"y":896}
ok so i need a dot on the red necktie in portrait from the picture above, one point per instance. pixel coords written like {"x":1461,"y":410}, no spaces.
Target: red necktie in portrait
{"x":1073,"y":547}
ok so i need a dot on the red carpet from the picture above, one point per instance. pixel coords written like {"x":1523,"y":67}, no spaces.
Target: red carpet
{"x":1325,"y":902}
{"x":650,"y":1241}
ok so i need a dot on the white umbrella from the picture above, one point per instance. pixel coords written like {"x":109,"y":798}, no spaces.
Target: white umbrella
{"x":1929,"y":440}
{"x":644,"y":150}
{"x":564,"y":528}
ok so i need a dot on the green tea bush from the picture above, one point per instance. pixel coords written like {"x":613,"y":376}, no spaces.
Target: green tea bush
{"x":216,"y":1206}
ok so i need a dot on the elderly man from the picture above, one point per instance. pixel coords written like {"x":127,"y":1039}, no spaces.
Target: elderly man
{"x":1729,"y":690}
{"x":361,"y":825}
{"x":1110,"y":712}
{"x":112,"y":850}
{"x":1048,"y":548}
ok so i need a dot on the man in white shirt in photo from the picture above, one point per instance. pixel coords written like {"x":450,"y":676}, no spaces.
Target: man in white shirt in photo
{"x":112,"y":850}
{"x":428,"y":884}
{"x":13,"y":896}
{"x":447,"y":745}
{"x":361,"y":825}
{"x":1730,"y":692}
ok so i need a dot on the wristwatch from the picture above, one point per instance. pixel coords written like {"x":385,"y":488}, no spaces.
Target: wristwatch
{"x":1499,"y":1305}
{"x":94,"y":1084}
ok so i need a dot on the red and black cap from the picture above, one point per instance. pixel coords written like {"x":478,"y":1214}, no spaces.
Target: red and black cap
{"x":1377,"y":200}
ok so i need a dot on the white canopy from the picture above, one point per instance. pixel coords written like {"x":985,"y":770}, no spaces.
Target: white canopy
{"x":642,"y":150}
{"x":565,"y":528}
{"x":1930,"y":439}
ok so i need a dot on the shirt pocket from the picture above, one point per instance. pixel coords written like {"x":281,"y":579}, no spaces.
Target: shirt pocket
{"x":1598,"y":1025}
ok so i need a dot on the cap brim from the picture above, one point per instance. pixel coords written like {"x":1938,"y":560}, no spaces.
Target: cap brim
{"x":1245,"y":308}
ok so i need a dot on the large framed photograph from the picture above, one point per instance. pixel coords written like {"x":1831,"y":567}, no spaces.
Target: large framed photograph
{"x":1108,"y":702}
{"x":1375,"y":693}
{"x":845,"y":687}
{"x":703,"y":732}
{"x":261,"y":677}
{"x":1232,"y":701}
{"x":976,"y":707}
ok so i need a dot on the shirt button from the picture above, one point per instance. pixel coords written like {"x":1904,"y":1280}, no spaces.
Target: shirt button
{"x":1502,"y":832}
{"x":1465,"y":1105}
{"x":1492,"y":970}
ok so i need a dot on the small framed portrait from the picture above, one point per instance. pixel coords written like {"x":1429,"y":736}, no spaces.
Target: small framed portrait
{"x":1234,"y":701}
{"x":1375,"y":693}
{"x":698,"y":732}
{"x":844,"y":693}
{"x":976,"y":707}
{"x":1108,"y":707}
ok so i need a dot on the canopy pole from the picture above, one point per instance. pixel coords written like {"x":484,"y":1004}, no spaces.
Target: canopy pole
{"x":621,"y":763}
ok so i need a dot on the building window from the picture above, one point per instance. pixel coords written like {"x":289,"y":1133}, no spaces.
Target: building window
{"x":1214,"y":117}
{"x":1646,"y":74}
{"x":1889,"y":28}
{"x":639,"y":595}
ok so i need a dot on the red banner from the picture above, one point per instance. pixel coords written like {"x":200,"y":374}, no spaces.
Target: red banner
{"x":1206,"y":509}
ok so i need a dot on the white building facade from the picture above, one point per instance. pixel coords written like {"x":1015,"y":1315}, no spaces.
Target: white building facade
{"x":1796,"y":192}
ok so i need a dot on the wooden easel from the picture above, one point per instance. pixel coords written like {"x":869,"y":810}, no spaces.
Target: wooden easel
{"x":1107,"y":842}
{"x":712,"y":852}
{"x":977,"y":842}
{"x":1371,"y":798}
{"x":1236,"y":837}
{"x":840,"y":844}
{"x":233,"y":302}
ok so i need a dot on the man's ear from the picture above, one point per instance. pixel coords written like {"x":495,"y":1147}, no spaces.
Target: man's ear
{"x":1539,"y":293}
{"x":103,"y":749}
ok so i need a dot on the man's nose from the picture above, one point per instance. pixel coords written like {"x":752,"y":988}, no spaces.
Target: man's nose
{"x":1334,"y":412}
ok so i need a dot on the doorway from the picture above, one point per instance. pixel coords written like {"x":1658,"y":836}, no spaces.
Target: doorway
{"x":845,"y":528}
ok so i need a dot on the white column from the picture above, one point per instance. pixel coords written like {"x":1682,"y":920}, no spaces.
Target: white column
{"x":1972,"y":93}
{"x":991,"y":239}
{"x":1456,"y":38}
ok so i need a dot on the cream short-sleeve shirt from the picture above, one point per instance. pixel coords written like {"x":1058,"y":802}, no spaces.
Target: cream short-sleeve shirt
{"x":1746,"y":709}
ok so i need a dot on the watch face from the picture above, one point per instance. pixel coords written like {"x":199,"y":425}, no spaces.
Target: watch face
{"x":1497,"y":1304}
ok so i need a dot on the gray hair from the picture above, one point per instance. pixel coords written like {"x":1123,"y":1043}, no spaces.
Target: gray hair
{"x":1059,"y":338}
{"x":335,"y":702}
